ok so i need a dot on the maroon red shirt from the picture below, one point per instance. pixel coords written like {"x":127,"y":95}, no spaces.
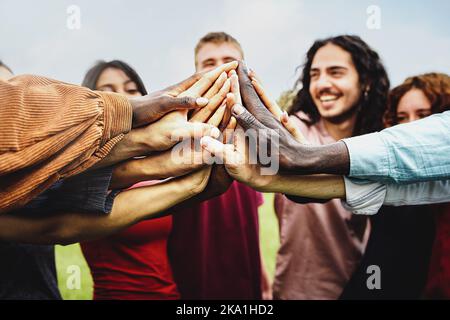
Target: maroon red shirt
{"x":438,"y":284}
{"x":133,"y":264}
{"x":214,"y":247}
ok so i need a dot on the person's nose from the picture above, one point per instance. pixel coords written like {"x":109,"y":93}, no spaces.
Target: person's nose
{"x":413,"y":117}
{"x":121,"y":91}
{"x":323,"y":83}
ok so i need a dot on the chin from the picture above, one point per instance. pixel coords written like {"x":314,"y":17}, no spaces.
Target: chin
{"x":330,"y":113}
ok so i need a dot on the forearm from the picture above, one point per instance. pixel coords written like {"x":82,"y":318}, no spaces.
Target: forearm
{"x":331,"y":159}
{"x":315,"y":186}
{"x":129,"y":207}
{"x":155,"y":167}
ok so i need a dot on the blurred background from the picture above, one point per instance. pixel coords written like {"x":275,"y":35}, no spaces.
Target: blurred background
{"x":158,"y":37}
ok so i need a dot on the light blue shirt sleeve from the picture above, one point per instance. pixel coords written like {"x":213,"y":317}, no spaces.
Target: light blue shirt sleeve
{"x":412,"y":152}
{"x":366,"y":197}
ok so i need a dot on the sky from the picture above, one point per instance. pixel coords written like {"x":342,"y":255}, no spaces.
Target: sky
{"x":158,"y":37}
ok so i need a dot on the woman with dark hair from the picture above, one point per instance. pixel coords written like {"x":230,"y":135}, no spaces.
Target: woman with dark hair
{"x":111,"y":70}
{"x":344,"y":93}
{"x":132,"y":264}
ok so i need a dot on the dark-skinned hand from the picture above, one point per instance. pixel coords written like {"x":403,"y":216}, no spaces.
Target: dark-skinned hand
{"x":293,"y":156}
{"x":256,"y":116}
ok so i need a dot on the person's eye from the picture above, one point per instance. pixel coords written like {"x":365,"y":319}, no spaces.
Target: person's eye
{"x":401,"y":119}
{"x":423,"y":114}
{"x":313,"y":75}
{"x":132,"y":91}
{"x":107,"y":89}
{"x":336,"y":73}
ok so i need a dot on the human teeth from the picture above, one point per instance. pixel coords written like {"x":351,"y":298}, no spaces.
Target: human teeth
{"x":327,"y":98}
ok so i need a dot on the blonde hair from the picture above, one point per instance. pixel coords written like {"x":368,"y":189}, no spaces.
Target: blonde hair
{"x":217,"y":38}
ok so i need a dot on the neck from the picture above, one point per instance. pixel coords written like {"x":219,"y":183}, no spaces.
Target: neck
{"x":342,"y":129}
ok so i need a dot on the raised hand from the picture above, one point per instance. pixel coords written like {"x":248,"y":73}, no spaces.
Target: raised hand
{"x":264,"y":125}
{"x":174,"y":126}
{"x":275,"y":109}
{"x":236,"y":159}
{"x":182,"y":96}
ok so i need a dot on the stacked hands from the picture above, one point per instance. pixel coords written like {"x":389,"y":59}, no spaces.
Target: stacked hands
{"x":168,"y":126}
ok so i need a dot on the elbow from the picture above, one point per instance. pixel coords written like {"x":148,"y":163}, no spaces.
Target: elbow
{"x":61,"y":234}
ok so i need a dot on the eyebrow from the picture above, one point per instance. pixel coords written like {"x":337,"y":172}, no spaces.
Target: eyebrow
{"x":229,"y":58}
{"x":336,"y":68}
{"x":106,"y":85}
{"x":128,"y":81}
{"x":208,"y":60}
{"x":332,"y":68}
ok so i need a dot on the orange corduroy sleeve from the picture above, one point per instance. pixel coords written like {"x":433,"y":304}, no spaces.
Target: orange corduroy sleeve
{"x":51,"y":130}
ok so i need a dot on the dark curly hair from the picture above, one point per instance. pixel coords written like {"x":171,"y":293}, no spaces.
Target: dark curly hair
{"x":371,"y":73}
{"x":435,"y":86}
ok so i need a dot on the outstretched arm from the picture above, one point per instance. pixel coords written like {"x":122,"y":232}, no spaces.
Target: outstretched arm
{"x":129,"y":207}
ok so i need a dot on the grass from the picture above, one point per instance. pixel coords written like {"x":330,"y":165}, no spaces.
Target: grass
{"x":66,"y":257}
{"x":70,"y":260}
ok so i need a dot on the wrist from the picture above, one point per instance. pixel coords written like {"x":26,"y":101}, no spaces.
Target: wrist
{"x":303,"y":158}
{"x":137,"y":105}
{"x":263,"y":183}
{"x":137,"y":142}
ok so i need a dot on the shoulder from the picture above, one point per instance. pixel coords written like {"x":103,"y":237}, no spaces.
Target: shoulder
{"x":302,"y":121}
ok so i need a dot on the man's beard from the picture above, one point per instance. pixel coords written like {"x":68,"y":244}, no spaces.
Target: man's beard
{"x":348,"y":114}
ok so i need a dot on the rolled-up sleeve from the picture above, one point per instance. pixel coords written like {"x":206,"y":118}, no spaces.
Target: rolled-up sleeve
{"x":367,"y":197}
{"x":363,"y":197}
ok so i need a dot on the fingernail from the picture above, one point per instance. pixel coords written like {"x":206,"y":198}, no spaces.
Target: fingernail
{"x":238,"y":109}
{"x":201,"y":101}
{"x":215,"y":133}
